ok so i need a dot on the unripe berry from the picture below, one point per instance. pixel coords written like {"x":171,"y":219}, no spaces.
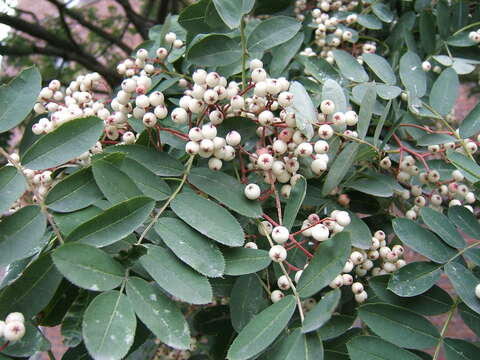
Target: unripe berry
{"x":327,"y":107}
{"x":251,"y":245}
{"x":15,"y":316}
{"x":298,"y":274}
{"x":255,"y":64}
{"x":170,"y":37}
{"x":325,"y":132}
{"x":362,"y":297}
{"x":276,"y":296}
{"x":283,"y":282}
{"x":195,"y":134}
{"x":356,"y":257}
{"x":265,"y":161}
{"x":426,"y":66}
{"x":259,"y":75}
{"x":337,"y":282}
{"x":278,"y":253}
{"x":128,"y":138}
{"x":252,"y":191}
{"x":199,"y":76}
{"x":343,"y":218}
{"x":179,"y":116}
{"x":265,"y":117}
{"x":347,"y":279}
{"x":233,"y":138}
{"x":280,"y":234}
{"x":149,"y":119}
{"x":265,"y":228}
{"x":192,"y":147}
{"x":320,"y":232}
{"x":14,"y":331}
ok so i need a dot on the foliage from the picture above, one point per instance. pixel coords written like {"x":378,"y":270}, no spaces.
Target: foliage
{"x":226,"y":214}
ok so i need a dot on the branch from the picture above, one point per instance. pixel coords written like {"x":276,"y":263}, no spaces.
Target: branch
{"x":162,"y":11}
{"x":140,"y":23}
{"x":66,"y":27}
{"x":92,"y":27}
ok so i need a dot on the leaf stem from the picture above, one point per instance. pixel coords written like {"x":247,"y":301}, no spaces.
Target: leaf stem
{"x":444,"y":329}
{"x":169,"y":200}
{"x":244,"y":52}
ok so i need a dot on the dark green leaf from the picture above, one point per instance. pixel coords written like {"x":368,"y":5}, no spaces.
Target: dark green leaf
{"x":33,"y":290}
{"x":445,"y":91}
{"x":427,"y":36}
{"x":336,"y":326}
{"x":68,"y":141}
{"x":414,"y":278}
{"x":369,"y":21}
{"x":225,"y":189}
{"x":412,"y":75}
{"x":372,"y":347}
{"x":313,"y":346}
{"x":72,"y":321}
{"x":88,"y":267}
{"x":159,"y":313}
{"x":114,"y":223}
{"x":191,"y":247}
{"x":208,"y":218}
{"x":160,"y":163}
{"x":366,"y":111}
{"x":240,"y":261}
{"x":33,"y":342}
{"x":109,"y":326}
{"x":22,"y":234}
{"x":290,"y":348}
{"x":214,"y":50}
{"x":458,"y":349}
{"x":303,"y":108}
{"x":464,"y":283}
{"x":360,"y":234}
{"x":349,"y":66}
{"x":468,"y":167}
{"x":75,"y":192}
{"x":284,"y":53}
{"x":12,"y":186}
{"x":295,"y":201}
{"x":340,"y":168}
{"x":18,"y":97}
{"x":443,"y":227}
{"x":399,"y":326}
{"x":328,"y":262}
{"x":231,"y":11}
{"x":465,"y":221}
{"x":383,"y":12}
{"x":322,"y":312}
{"x":422,"y":240}
{"x":381,"y":68}
{"x":272,"y":32}
{"x":175,"y":277}
{"x":246,"y":300}
{"x":115,"y":184}
{"x":262,"y":330}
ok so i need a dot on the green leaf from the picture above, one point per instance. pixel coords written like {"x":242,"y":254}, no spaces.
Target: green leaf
{"x":360,"y":234}
{"x":272,"y":32}
{"x":208,"y":218}
{"x":464,"y":220}
{"x":414,"y":278}
{"x":320,"y":69}
{"x":435,"y":139}
{"x":150,"y":184}
{"x":66,"y":222}
{"x":284,"y":53}
{"x":461,"y":40}
{"x":240,"y":261}
{"x":468,"y":167}
{"x":262,"y":330}
{"x":225,"y":189}
{"x":295,"y":201}
{"x":160,"y":163}
{"x":349,"y":66}
{"x":33,"y":341}
{"x":303,"y":108}
{"x":68,"y":141}
{"x":231,"y":11}
{"x":109,"y":326}
{"x":443,"y":227}
{"x":458,"y":349}
{"x":412,"y":75}
{"x":33,"y":290}
{"x":18,"y":97}
{"x":380,"y":67}
{"x":336,"y":326}
{"x":88,"y":267}
{"x":372,"y":186}
{"x":22,"y":234}
{"x":12,"y":186}
{"x":191,"y":247}
{"x":422,"y":241}
{"x":322,"y":312}
{"x":175,"y":277}
{"x":328,"y":262}
{"x":114,"y":223}
{"x":366,"y":111}
{"x":115,"y":184}
{"x":399,"y":326}
{"x":372,"y":347}
{"x":214,"y":50}
{"x":427,"y":36}
{"x":383,"y":12}
{"x":369,"y":21}
{"x":332,"y":90}
{"x":340,"y":167}
{"x":445,"y":91}
{"x":160,"y":314}
{"x":313,"y":346}
{"x":290,"y":348}
{"x":72,"y":321}
{"x":464,"y":283}
{"x":470,"y":318}
{"x":246,"y":300}
{"x":75,"y":192}
{"x":192,"y":18}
